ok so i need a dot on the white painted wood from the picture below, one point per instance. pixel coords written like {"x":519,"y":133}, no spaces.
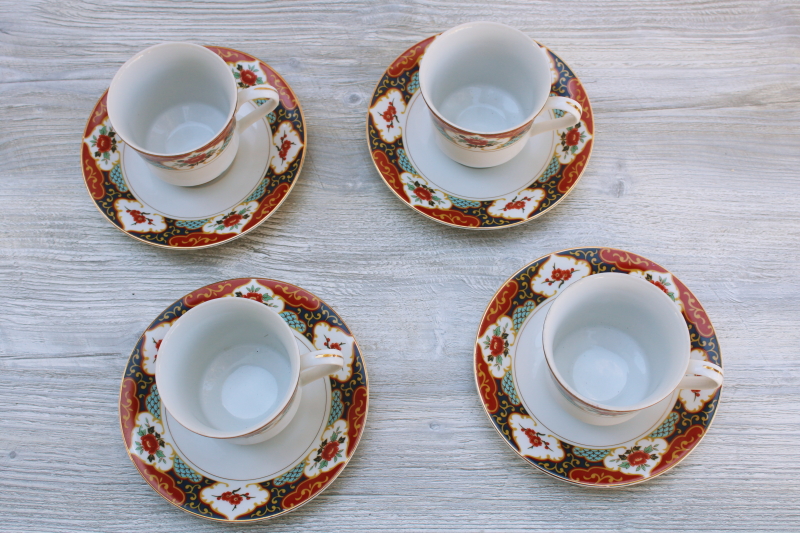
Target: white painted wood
{"x":695,"y":166}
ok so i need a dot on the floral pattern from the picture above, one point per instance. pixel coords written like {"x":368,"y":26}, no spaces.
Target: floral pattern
{"x":571,"y":142}
{"x":496,"y":344}
{"x":639,"y":459}
{"x":171,"y":475}
{"x":152,"y":342}
{"x":387,"y":117}
{"x":233,"y":221}
{"x":106,"y":182}
{"x":332,"y":337}
{"x":253,"y":290}
{"x":662,"y":280}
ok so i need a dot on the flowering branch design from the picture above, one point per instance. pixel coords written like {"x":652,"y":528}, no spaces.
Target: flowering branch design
{"x":516,"y":204}
{"x":535,"y":438}
{"x":150,"y":442}
{"x":139,"y":217}
{"x":571,"y":138}
{"x":424,"y":193}
{"x":497,"y":344}
{"x":636,"y":456}
{"x":390,"y":115}
{"x":234,"y":219}
{"x":559,"y":275}
{"x":105,"y":144}
{"x":233,"y":497}
{"x":329,"y":450}
{"x":254,"y":293}
{"x":333,"y":345}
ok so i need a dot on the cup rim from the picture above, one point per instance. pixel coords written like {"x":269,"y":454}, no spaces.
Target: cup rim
{"x":428,"y":101}
{"x":115,"y":82}
{"x":599,"y":405}
{"x":294,"y":384}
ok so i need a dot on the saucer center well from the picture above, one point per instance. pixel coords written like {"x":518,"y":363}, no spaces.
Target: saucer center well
{"x":212,"y":198}
{"x":466,"y":182}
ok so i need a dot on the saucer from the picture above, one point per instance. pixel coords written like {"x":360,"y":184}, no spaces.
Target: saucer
{"x":266,"y":167}
{"x":218,"y":480}
{"x":521,"y":400}
{"x":401,"y":140}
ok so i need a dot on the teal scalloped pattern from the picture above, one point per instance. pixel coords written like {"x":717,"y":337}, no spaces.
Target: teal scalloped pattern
{"x":590,"y":454}
{"x":521,"y":313}
{"x":558,"y":113}
{"x":290,"y":476}
{"x":153,"y":401}
{"x":336,"y":407}
{"x":462,"y":203}
{"x":183,"y":470}
{"x":551,"y":170}
{"x":405,"y":164}
{"x":117,"y":179}
{"x":413,"y":84}
{"x":508,"y":388}
{"x":191,"y":224}
{"x":666,"y":429}
{"x":256,"y":194}
{"x":294,"y":321}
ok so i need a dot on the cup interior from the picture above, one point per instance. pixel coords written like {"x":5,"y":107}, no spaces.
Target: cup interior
{"x":616,"y":342}
{"x":485,"y":77}
{"x":227,"y":367}
{"x":172,"y":99}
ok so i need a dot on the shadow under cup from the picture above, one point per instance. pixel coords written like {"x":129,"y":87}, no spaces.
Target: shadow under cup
{"x":225,"y":368}
{"x":615,"y":343}
{"x":485,"y":78}
{"x":172,"y":99}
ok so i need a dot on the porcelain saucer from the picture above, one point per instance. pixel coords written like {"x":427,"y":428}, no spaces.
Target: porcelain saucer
{"x":401,"y":140}
{"x":266,"y":168}
{"x":520,"y":399}
{"x":222,"y":481}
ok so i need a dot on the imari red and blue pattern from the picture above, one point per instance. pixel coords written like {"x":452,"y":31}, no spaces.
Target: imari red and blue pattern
{"x":171,"y":475}
{"x":641,"y":458}
{"x":385,"y":121}
{"x":103,"y":174}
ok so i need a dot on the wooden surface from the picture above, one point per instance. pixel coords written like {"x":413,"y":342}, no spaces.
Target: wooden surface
{"x":697,"y":106}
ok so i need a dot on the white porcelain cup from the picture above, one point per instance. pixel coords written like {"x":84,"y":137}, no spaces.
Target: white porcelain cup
{"x":175,"y":104}
{"x":230,"y":369}
{"x":484,"y":84}
{"x":616,"y":344}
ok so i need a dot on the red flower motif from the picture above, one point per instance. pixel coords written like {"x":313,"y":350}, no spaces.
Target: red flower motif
{"x":423,"y":194}
{"x":561,"y":274}
{"x":195,"y":159}
{"x":659,"y":285}
{"x":254,"y":295}
{"x":390,"y":114}
{"x":638,"y":457}
{"x":696,"y":393}
{"x":138,"y":217}
{"x":232,"y":220}
{"x":573,"y":137}
{"x":475,"y":141}
{"x":225,"y":496}
{"x":235,"y":499}
{"x":534,"y":439}
{"x":248,"y":77}
{"x":330,"y":450}
{"x":103,"y":143}
{"x":150,"y":443}
{"x":519,"y":204}
{"x":284,"y":150}
{"x":496,"y":345}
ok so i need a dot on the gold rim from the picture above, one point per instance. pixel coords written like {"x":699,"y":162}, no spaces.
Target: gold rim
{"x":538,"y":469}
{"x":245,"y":232}
{"x":514,"y":224}
{"x":347,"y":461}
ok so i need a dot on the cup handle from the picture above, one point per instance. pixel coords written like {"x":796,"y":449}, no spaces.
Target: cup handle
{"x":318,"y":364}
{"x":257,"y":92}
{"x":701,"y":375}
{"x":572,"y":114}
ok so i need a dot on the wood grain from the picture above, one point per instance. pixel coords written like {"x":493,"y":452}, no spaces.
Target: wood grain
{"x":697,"y":106}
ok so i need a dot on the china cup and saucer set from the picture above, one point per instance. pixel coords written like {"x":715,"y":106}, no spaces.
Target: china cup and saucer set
{"x":246,"y":398}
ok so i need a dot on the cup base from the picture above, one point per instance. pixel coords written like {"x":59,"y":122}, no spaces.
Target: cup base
{"x":476,"y":159}
{"x":209,"y":172}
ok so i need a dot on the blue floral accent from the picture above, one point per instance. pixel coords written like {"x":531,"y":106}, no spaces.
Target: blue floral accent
{"x":117,"y":179}
{"x":667,"y":427}
{"x":191,"y":224}
{"x":291,"y":476}
{"x":413,"y":84}
{"x":405,"y":164}
{"x":590,"y":454}
{"x":551,"y":170}
{"x":183,"y":471}
{"x":463,"y":204}
{"x":336,"y":407}
{"x":521,"y":313}
{"x":256,"y":194}
{"x":294,"y":321}
{"x":153,"y":402}
{"x":508,"y":388}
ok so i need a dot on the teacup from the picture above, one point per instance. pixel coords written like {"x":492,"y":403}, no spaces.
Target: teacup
{"x":616,"y":344}
{"x":175,"y":104}
{"x":230,"y":369}
{"x":484,"y":84}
